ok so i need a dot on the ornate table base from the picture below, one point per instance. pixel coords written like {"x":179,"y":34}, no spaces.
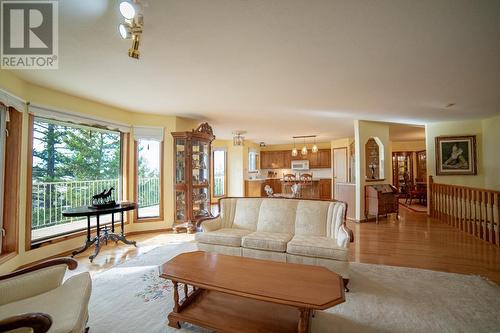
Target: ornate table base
{"x":103,"y":235}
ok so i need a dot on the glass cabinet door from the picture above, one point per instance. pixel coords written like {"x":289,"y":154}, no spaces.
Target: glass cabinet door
{"x":180,"y":161}
{"x":200,"y":163}
{"x":180,"y":205}
{"x":201,"y":202}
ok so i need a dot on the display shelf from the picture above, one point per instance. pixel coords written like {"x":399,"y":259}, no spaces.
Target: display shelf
{"x":192,"y":154}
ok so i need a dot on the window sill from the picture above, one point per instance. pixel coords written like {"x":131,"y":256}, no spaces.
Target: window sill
{"x":4,"y":257}
{"x":60,"y":238}
{"x":149,"y":219}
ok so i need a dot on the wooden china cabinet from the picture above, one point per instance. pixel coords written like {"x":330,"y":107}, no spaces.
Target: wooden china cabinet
{"x":192,"y":153}
{"x":402,"y":164}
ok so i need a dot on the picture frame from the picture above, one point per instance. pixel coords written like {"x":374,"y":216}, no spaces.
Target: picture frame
{"x":456,"y":155}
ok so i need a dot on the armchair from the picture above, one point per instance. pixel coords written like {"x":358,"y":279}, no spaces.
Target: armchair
{"x":35,"y":299}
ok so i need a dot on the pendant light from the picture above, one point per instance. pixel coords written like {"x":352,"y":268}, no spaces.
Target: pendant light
{"x":294,"y":150}
{"x":303,"y":151}
{"x":314,"y":148}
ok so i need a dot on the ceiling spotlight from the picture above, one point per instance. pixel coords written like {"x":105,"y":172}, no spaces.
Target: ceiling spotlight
{"x":125,"y":31}
{"x":127,"y":10}
{"x":132,"y":26}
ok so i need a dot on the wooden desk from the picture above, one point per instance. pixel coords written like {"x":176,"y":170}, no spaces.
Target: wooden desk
{"x":236,"y":294}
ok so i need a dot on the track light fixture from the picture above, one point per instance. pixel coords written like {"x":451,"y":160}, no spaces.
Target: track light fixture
{"x":132,"y":26}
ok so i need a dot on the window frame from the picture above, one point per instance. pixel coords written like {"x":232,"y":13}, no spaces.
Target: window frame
{"x":256,"y":154}
{"x":122,"y":186}
{"x":159,"y":218}
{"x":212,"y":173}
{"x":13,"y":143}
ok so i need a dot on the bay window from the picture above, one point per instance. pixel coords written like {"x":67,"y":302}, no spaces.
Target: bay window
{"x":70,"y":164}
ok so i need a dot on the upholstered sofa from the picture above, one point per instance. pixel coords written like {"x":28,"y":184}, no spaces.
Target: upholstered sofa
{"x":35,"y":299}
{"x":288,"y":230}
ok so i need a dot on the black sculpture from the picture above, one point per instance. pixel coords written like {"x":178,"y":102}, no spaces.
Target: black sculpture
{"x":104,"y":199}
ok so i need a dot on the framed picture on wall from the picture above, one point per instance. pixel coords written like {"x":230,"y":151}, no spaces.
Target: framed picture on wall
{"x":456,"y":155}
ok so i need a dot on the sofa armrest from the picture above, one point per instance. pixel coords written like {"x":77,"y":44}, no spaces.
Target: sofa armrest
{"x":38,"y":322}
{"x":211,"y":224}
{"x":344,"y":236}
{"x":34,"y":280}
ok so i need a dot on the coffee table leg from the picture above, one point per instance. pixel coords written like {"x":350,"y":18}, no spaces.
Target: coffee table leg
{"x":172,"y":321}
{"x":303,"y":326}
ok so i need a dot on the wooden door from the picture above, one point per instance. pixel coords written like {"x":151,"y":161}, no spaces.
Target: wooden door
{"x":340,"y":165}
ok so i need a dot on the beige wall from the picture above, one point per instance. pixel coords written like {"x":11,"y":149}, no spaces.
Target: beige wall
{"x":364,"y":130}
{"x":58,"y":100}
{"x":469,"y":127}
{"x":491,"y":152}
{"x":408,"y":145}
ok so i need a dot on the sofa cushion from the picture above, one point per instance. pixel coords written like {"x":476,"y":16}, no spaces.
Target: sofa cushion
{"x":277,"y":215}
{"x":67,"y":305}
{"x":247,"y":213}
{"x":316,"y":246}
{"x":225,"y":236}
{"x":268,"y":241}
{"x":311,"y":218}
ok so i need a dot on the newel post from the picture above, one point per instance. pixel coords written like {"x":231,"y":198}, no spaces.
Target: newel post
{"x":429,"y":195}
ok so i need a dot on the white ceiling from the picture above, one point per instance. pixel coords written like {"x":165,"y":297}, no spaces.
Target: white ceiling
{"x":278,"y":68}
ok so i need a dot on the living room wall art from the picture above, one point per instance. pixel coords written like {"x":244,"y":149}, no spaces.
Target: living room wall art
{"x":456,"y":155}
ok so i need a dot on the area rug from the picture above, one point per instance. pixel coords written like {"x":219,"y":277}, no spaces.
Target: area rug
{"x":132,"y":298}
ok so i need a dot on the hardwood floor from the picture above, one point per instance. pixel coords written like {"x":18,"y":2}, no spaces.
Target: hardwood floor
{"x":416,"y":240}
{"x":413,"y":241}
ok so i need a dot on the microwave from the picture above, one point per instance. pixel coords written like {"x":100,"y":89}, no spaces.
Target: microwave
{"x":300,"y":165}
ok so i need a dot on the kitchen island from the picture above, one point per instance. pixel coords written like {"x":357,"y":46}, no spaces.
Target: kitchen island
{"x":319,"y":188}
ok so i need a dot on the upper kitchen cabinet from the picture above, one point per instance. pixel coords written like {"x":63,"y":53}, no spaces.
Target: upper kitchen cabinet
{"x":282,"y":159}
{"x":273,"y":159}
{"x":324,"y":158}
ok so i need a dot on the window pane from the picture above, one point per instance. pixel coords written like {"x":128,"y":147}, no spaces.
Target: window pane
{"x":219,"y":173}
{"x":148,"y":180}
{"x":71,"y":163}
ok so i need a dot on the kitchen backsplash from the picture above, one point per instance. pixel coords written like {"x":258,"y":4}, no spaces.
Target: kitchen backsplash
{"x":317,"y":173}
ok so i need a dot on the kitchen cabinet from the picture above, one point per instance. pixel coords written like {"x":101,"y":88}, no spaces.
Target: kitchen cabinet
{"x":324,"y":159}
{"x":325,"y":189}
{"x":282,"y":159}
{"x":254,"y":188}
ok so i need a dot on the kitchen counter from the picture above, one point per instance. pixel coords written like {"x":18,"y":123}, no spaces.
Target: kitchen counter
{"x":281,"y":179}
{"x":319,"y":188}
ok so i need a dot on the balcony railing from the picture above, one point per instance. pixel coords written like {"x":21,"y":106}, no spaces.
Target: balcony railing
{"x":50,"y":199}
{"x":219,"y":185}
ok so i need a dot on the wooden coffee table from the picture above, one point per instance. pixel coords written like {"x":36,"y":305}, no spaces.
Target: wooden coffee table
{"x":236,"y":294}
